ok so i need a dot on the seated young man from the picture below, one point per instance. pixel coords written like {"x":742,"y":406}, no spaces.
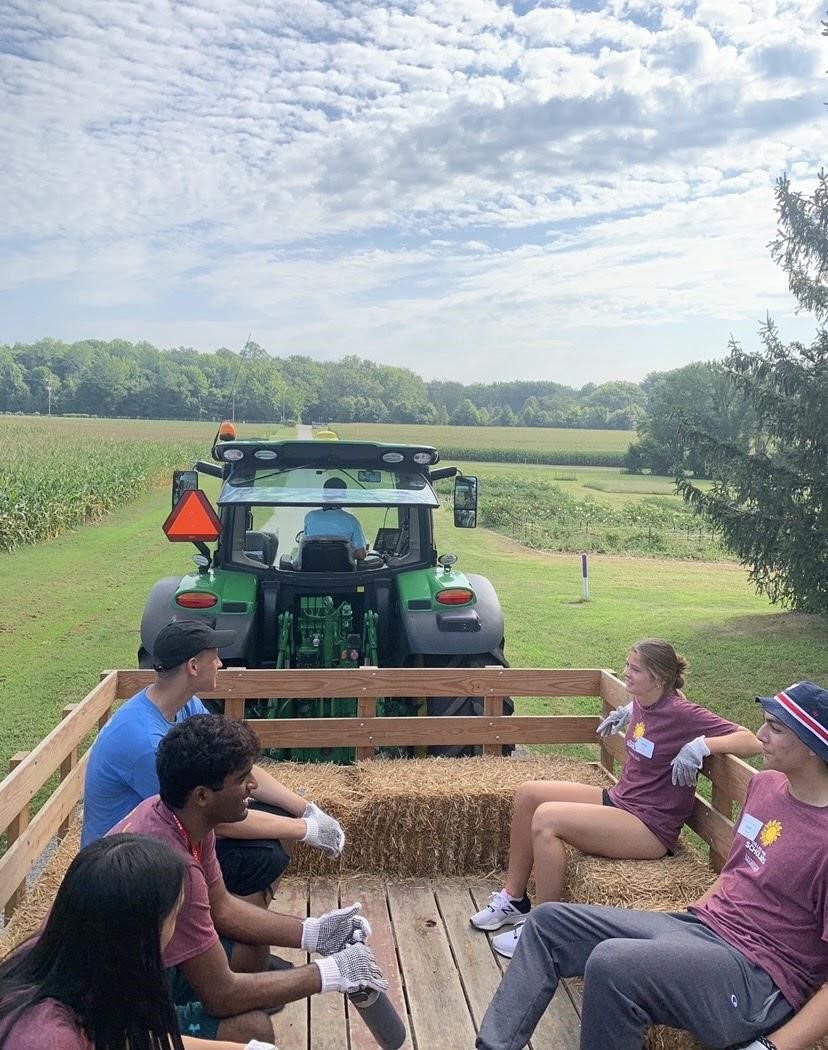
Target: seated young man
{"x":121,"y":770}
{"x":746,"y":965}
{"x":222,"y":988}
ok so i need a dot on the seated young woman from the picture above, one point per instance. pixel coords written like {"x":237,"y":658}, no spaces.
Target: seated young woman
{"x":640,"y":818}
{"x":92,"y":977}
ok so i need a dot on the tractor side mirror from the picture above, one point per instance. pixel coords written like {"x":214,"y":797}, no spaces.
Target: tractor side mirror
{"x":183,"y":481}
{"x":465,"y":502}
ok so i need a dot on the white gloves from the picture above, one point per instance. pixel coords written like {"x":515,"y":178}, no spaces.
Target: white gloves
{"x":323,"y":832}
{"x":334,"y":930}
{"x":688,"y":762}
{"x":760,"y":1044}
{"x":616,"y":721}
{"x":257,"y":1044}
{"x":351,"y":970}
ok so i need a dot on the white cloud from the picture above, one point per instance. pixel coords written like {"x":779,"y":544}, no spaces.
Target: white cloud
{"x":392,"y":180}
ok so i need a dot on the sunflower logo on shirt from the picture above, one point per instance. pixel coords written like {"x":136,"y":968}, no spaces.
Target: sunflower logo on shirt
{"x":638,"y":732}
{"x":770,"y":832}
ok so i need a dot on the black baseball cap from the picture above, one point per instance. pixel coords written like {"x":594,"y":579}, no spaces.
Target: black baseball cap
{"x":803,"y":708}
{"x":182,"y":639}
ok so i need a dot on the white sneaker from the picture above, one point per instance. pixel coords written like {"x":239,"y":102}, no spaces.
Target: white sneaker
{"x":500,"y":911}
{"x":505,"y":943}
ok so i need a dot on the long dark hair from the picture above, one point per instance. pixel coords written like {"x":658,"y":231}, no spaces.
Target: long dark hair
{"x":99,"y":953}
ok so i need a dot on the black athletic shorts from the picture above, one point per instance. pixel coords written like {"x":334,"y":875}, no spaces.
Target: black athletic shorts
{"x":252,"y":865}
{"x":606,"y":800}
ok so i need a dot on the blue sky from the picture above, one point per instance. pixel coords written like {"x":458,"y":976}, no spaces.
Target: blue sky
{"x":476,"y":189}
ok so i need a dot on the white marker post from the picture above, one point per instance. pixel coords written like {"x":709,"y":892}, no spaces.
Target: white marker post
{"x":585,"y":576}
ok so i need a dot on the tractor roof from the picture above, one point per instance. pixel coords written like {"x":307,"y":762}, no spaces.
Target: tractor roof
{"x":327,"y":453}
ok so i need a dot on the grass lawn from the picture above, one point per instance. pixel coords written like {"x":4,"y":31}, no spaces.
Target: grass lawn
{"x":72,"y":607}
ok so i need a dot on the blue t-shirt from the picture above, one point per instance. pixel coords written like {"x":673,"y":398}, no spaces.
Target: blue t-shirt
{"x":121,"y":769}
{"x":335,"y":522}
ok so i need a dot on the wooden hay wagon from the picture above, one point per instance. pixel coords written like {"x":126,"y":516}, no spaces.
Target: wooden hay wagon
{"x":426,"y":837}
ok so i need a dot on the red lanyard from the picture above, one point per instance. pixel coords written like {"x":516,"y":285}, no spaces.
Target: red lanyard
{"x":194,"y":851}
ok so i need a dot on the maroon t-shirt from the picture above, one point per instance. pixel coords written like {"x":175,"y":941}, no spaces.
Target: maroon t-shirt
{"x":47,"y":1026}
{"x":654,"y":737}
{"x":194,"y":929}
{"x":771,"y":903}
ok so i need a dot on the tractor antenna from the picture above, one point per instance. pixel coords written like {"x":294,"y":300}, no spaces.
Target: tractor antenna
{"x":236,"y":379}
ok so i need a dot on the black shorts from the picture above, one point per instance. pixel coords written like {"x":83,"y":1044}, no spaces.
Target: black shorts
{"x":606,"y":800}
{"x":252,"y":865}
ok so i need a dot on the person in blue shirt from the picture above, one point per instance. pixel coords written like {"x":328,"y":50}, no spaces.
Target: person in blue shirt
{"x":121,"y":770}
{"x":336,"y":522}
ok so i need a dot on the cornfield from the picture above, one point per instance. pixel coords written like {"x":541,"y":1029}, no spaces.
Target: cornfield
{"x":57,"y":474}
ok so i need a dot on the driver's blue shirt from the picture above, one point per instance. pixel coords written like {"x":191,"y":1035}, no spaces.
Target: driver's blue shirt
{"x":335,"y":522}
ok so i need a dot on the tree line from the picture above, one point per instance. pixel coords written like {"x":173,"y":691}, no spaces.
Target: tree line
{"x":119,"y":378}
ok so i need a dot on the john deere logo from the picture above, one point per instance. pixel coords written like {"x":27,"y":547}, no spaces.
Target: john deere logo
{"x":770,"y":832}
{"x":638,"y":732}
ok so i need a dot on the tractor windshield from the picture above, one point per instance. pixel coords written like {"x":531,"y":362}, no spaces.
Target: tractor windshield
{"x":268,"y":509}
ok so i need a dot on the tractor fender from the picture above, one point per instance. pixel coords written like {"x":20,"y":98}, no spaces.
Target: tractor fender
{"x":464,"y":630}
{"x":161,"y":609}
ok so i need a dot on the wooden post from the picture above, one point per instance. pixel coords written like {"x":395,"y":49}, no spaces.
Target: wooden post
{"x":15,"y":829}
{"x":723,"y":803}
{"x":492,"y":708}
{"x":366,"y":708}
{"x":234,"y":707}
{"x":66,"y":767}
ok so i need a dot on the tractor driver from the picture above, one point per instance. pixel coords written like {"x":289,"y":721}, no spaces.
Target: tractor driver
{"x":333,"y":521}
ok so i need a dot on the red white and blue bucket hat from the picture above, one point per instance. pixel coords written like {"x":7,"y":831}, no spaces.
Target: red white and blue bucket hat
{"x":803,"y":708}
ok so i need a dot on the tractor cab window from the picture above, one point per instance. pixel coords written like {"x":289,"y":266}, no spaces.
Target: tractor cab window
{"x":269,"y":513}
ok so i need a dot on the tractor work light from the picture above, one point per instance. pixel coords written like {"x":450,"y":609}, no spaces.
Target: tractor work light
{"x":423,"y":458}
{"x":233,"y":455}
{"x":196,"y":600}
{"x":455,"y":596}
{"x":265,"y":453}
{"x":393,"y":457}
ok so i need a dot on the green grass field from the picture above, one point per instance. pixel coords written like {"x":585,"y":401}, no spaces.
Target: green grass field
{"x":72,"y":606}
{"x":532,"y":439}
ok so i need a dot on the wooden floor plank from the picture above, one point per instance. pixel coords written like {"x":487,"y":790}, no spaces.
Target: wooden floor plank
{"x":479,"y":973}
{"x":440,"y":1016}
{"x":371,"y":893}
{"x":290,"y":1025}
{"x":560,"y":1026}
{"x":328,"y":1022}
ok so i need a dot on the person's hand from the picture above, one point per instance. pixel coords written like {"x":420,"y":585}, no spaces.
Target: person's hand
{"x":323,"y":832}
{"x":334,"y":930}
{"x":688,"y":762}
{"x":257,"y":1044}
{"x":616,"y":721}
{"x":351,"y":970}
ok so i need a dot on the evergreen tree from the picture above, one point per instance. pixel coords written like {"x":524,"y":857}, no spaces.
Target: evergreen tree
{"x":770,"y":501}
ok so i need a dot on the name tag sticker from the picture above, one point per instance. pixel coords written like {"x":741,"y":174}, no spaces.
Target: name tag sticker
{"x":644,"y":747}
{"x":749,"y":826}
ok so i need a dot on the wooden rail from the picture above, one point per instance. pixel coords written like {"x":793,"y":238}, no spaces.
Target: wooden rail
{"x":58,"y":752}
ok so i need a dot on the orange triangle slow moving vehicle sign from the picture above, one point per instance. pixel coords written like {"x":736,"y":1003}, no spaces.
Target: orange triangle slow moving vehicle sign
{"x":192,"y":519}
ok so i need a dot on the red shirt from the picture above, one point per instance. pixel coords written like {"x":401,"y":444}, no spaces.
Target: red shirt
{"x":194,"y":930}
{"x":654,"y":737}
{"x":48,"y":1026}
{"x":771,"y":903}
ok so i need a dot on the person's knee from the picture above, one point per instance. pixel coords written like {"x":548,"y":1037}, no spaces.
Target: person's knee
{"x":612,"y":963}
{"x":545,"y":820}
{"x":243,"y":1027}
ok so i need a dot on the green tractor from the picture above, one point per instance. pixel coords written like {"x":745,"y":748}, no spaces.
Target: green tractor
{"x":300,"y":592}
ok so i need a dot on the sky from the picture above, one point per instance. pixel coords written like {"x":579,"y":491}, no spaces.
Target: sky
{"x":478,"y":190}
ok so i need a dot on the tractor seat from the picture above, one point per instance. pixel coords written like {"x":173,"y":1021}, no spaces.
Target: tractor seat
{"x":261,"y":546}
{"x":325,"y":554}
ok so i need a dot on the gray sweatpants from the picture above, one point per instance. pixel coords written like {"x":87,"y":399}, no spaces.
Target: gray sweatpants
{"x":639,"y":968}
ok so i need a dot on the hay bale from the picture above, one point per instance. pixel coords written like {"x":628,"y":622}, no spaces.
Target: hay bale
{"x":443,"y":816}
{"x":41,"y":894}
{"x":669,"y":884}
